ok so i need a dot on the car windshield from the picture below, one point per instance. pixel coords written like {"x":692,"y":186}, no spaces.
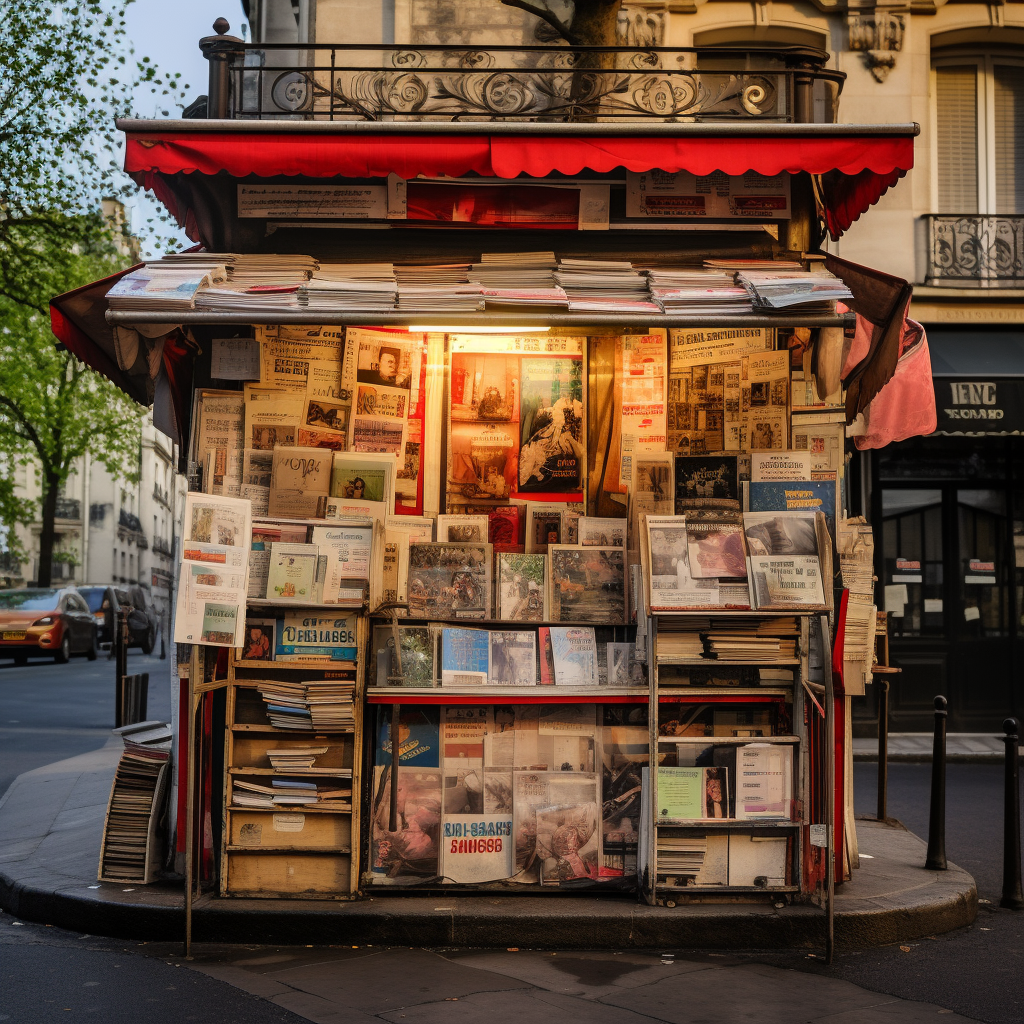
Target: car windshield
{"x":93,"y":597}
{"x":28,"y":600}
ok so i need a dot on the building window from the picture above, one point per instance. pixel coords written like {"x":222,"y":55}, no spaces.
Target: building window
{"x":122,"y":565}
{"x":979,"y":134}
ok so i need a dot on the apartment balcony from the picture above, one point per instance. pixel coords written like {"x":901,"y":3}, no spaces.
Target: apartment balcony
{"x":161,"y":547}
{"x":68,"y":508}
{"x":372,"y":82}
{"x":62,"y":572}
{"x":974,"y":250}
{"x":161,"y":496}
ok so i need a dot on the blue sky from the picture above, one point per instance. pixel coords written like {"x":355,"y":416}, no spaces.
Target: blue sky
{"x":169,"y":34}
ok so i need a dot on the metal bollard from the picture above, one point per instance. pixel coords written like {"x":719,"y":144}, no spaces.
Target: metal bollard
{"x":883,"y":749}
{"x":1013,"y":897}
{"x":936,"y":859}
{"x":120,"y":644}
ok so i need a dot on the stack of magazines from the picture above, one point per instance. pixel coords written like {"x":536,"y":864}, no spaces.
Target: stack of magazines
{"x":341,"y":287}
{"x":811,"y":291}
{"x":438,"y":288}
{"x":163,"y":286}
{"x":519,"y":280}
{"x":603,"y":286}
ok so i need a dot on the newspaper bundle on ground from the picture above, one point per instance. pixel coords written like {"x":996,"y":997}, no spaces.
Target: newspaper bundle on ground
{"x":214,"y":571}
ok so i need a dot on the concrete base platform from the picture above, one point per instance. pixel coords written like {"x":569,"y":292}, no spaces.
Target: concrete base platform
{"x":50,"y":827}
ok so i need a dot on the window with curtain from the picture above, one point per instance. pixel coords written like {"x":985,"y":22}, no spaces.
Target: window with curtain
{"x":979,"y":134}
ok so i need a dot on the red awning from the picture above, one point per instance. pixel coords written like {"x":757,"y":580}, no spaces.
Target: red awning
{"x":855,"y":168}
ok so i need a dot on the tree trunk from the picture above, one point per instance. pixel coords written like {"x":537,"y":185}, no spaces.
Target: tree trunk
{"x":595,"y":23}
{"x":51,"y":493}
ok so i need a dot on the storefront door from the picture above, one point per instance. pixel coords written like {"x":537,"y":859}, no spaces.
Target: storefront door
{"x":947,"y":577}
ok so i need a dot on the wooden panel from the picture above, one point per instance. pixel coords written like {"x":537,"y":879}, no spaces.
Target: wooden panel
{"x":259,"y":874}
{"x":289,"y":830}
{"x":250,"y":749}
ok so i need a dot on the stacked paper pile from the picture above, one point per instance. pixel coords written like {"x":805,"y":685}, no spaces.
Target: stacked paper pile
{"x":269,"y":270}
{"x":131,"y":803}
{"x":330,"y":704}
{"x":439,"y":288}
{"x":604,"y":286}
{"x":734,"y":647}
{"x":284,"y":792}
{"x":734,"y":265}
{"x":285,"y":759}
{"x":519,"y":279}
{"x":807,"y":290}
{"x":265,"y":281}
{"x":340,"y":287}
{"x":286,"y":704}
{"x":680,"y":856}
{"x":163,"y":286}
{"x":680,"y":646}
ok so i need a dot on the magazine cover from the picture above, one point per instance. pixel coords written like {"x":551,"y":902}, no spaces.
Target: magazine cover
{"x":522,"y":587}
{"x":464,"y":657}
{"x":311,"y":637}
{"x":450,"y":581}
{"x":623,"y":668}
{"x":503,"y":528}
{"x":259,"y":639}
{"x":552,"y":455}
{"x":462,"y":529}
{"x":419,"y":737}
{"x":411,"y":851}
{"x":602,"y":533}
{"x":587,"y":584}
{"x":513,"y":659}
{"x":795,"y":496}
{"x":543,"y":526}
{"x":537,"y":792}
{"x":412,"y":664}
{"x":714,"y":542}
{"x":672,"y":586}
{"x":362,"y":477}
{"x":476,"y":847}
{"x":568,"y":842}
{"x":547,"y":656}
{"x":292,"y":571}
{"x":784,"y":567}
{"x":706,"y":481}
{"x":574,"y":654}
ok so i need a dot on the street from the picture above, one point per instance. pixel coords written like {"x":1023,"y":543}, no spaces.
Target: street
{"x":50,"y":712}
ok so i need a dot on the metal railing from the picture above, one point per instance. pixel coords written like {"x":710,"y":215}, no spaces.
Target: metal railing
{"x":68,"y":508}
{"x":371,"y":82}
{"x":975,"y":250}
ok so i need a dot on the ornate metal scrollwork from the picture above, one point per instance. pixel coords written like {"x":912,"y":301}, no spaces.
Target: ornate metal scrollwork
{"x":976,"y":249}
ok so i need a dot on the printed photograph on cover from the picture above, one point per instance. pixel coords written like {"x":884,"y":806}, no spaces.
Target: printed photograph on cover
{"x":377,"y":434}
{"x":513,"y":660}
{"x":765,"y":401}
{"x":568,"y":842}
{"x":798,"y":496}
{"x":537,"y":792}
{"x":715,"y":544}
{"x":784,"y":566}
{"x":481,"y":462}
{"x":389,"y":403}
{"x":223,"y":521}
{"x":462,"y":529}
{"x":602,"y":533}
{"x":463,"y":731}
{"x":412,"y":850}
{"x":419,"y":737}
{"x":543,"y":526}
{"x":498,"y":790}
{"x":672,"y":585}
{"x":706,"y":481}
{"x":220,"y":623}
{"x":780,"y":533}
{"x":522,"y":587}
{"x":450,"y":581}
{"x":259,"y":639}
{"x":321,"y":414}
{"x":361,"y":479}
{"x":574,"y":655}
{"x":587,"y":584}
{"x":552,"y":452}
{"x":484,"y":387}
{"x":385,"y":364}
{"x":652,"y":485}
{"x":623,"y":668}
{"x":412,"y":664}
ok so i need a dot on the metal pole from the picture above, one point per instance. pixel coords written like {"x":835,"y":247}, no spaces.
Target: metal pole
{"x":883,"y":750}
{"x":1013,"y":897}
{"x":830,"y":792}
{"x":120,"y":665}
{"x":218,"y":50}
{"x":396,"y":714}
{"x":936,"y":858}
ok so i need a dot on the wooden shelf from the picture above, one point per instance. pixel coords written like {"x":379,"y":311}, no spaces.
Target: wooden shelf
{"x":705,"y":662}
{"x":344,"y":850}
{"x":336,"y":773}
{"x":730,"y":823}
{"x":298,"y":733}
{"x":273,"y":602}
{"x":667,"y":694}
{"x":287,"y":809}
{"x":507,"y":695}
{"x":295,"y":666}
{"x":381,"y":619}
{"x":738,"y":740}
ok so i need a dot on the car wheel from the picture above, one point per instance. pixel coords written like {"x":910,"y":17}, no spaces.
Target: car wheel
{"x":63,"y":656}
{"x":93,"y":648}
{"x":149,"y":641}
{"x":21,"y":659}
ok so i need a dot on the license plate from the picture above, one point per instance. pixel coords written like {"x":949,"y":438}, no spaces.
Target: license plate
{"x":14,"y":636}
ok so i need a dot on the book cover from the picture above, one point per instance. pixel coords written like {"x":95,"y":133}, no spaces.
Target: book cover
{"x":504,"y":528}
{"x":551,"y":453}
{"x":714,"y":544}
{"x":522,"y":587}
{"x":513,"y":659}
{"x":419,"y":738}
{"x":259,"y":639}
{"x":299,"y":478}
{"x":672,"y":587}
{"x":587,"y":584}
{"x":292,"y":571}
{"x":795,"y":496}
{"x":460,"y":529}
{"x":547,"y":657}
{"x":764,"y":781}
{"x":574,"y":654}
{"x":785,"y":570}
{"x":706,"y":481}
{"x":623,"y":668}
{"x":220,"y":623}
{"x":303,"y":636}
{"x":450,"y":581}
{"x":543,"y":526}
{"x":464,"y":657}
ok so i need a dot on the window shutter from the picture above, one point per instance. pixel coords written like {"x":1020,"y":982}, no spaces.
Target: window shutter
{"x":956,"y":101}
{"x":1009,"y":137}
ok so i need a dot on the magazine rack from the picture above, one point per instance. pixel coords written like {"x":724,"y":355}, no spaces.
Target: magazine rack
{"x":729,"y":855}
{"x":302,"y":852}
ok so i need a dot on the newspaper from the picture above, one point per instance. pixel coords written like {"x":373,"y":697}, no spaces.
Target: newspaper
{"x":221,"y":430}
{"x":644,"y":375}
{"x":213,"y":581}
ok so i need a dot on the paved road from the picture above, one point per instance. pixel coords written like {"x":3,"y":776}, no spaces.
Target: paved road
{"x":49,"y":712}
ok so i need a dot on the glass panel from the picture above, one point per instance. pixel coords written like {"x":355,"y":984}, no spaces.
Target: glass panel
{"x":983,"y":588}
{"x":1008,"y":117}
{"x":956,"y":100}
{"x":912,"y":560}
{"x":942,"y":458}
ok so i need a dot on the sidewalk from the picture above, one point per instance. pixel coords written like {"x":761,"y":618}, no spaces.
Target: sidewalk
{"x":50,"y":827}
{"x":976,"y":747}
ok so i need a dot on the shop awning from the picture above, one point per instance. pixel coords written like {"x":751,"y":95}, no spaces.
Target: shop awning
{"x":853,"y":164}
{"x":979,"y":381}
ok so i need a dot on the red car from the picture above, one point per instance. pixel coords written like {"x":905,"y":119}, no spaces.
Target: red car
{"x":45,"y":621}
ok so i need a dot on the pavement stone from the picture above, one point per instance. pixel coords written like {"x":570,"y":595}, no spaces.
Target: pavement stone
{"x":50,"y":828}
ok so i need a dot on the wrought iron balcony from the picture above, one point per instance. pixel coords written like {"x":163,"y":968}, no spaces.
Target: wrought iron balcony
{"x":68,"y":508}
{"x":975,"y":250}
{"x":371,"y":82}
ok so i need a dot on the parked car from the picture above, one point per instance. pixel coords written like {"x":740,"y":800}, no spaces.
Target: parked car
{"x":106,"y":600}
{"x":46,"y":621}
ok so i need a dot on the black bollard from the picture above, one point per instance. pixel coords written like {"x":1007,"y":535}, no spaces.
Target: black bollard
{"x":936,"y":859}
{"x":883,"y":749}
{"x":1013,"y":897}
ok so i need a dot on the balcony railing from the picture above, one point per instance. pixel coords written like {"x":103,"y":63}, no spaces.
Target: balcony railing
{"x":975,"y":250}
{"x":68,"y":508}
{"x":371,"y":82}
